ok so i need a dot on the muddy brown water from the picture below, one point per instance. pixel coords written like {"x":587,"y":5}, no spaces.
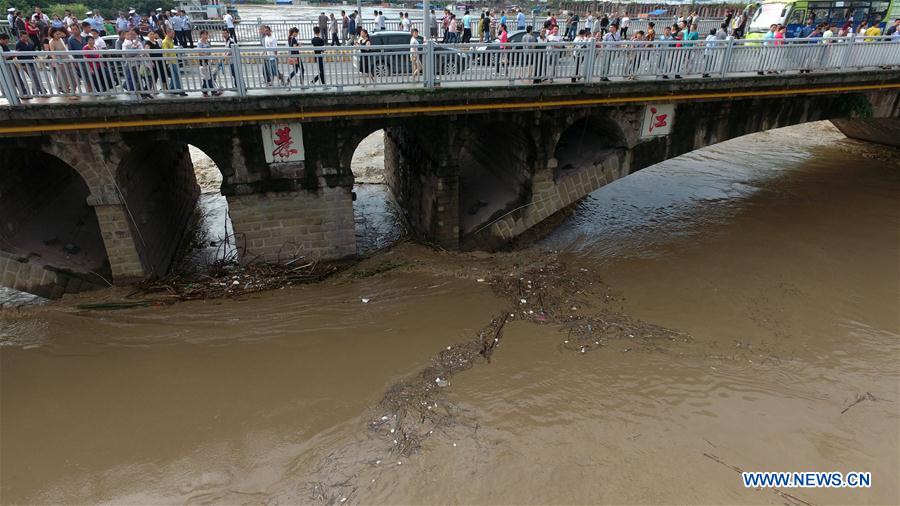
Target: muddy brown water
{"x":777,"y":254}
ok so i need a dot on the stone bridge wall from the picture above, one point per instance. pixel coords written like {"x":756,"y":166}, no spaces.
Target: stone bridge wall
{"x":282,"y":210}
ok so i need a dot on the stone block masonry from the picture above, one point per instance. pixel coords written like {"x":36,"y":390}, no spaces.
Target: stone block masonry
{"x":278,"y":227}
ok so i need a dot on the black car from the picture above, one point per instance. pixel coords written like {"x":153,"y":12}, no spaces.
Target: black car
{"x":382,"y":62}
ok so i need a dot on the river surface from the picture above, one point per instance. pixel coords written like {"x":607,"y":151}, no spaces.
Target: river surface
{"x":774,"y":256}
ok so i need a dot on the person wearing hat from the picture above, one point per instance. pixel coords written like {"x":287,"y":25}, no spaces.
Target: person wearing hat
{"x":11,"y":16}
{"x":96,"y":21}
{"x":135,"y":20}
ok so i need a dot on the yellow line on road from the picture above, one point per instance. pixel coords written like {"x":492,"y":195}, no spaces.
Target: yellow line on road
{"x":389,"y":111}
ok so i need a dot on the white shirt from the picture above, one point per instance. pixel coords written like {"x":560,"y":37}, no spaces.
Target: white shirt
{"x":99,"y":43}
{"x":625,"y":22}
{"x":229,"y":20}
{"x":270,"y":41}
{"x":413,"y":42}
{"x":405,"y":23}
{"x":133,"y":45}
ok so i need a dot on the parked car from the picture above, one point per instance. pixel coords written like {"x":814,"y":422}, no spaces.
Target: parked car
{"x":513,"y":44}
{"x":384,"y":62}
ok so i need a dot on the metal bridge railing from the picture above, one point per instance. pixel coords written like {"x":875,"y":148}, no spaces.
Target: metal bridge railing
{"x":256,"y":70}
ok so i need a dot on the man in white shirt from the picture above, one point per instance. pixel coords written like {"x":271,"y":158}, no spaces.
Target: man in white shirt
{"x":99,"y":43}
{"x":271,"y":68}
{"x":229,"y":25}
{"x":709,"y":52}
{"x":624,"y":23}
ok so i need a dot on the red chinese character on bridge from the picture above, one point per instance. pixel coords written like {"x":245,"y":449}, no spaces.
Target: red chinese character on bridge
{"x":659,"y":120}
{"x":283,"y":144}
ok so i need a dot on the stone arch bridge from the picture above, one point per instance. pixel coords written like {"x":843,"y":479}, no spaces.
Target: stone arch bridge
{"x":471,"y":168}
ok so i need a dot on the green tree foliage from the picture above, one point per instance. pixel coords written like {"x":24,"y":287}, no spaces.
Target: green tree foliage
{"x":108,"y":8}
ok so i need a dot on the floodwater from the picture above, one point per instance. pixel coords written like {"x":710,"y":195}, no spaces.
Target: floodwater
{"x":774,"y":255}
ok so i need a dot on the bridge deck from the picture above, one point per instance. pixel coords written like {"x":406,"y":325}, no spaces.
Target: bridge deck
{"x":54,"y":115}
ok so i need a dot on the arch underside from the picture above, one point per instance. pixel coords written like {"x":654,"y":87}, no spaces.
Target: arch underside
{"x":47,"y":228}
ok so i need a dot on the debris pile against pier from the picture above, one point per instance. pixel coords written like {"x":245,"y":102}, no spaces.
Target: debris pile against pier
{"x":233,"y":280}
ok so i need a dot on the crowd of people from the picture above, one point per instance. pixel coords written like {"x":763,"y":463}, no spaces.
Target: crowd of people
{"x":157,"y":34}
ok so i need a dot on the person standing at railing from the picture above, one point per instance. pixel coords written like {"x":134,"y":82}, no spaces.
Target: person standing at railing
{"x":452,"y":35}
{"x":76,"y":43}
{"x":208,"y":70}
{"x":484,"y":28}
{"x":134,"y":65}
{"x":610,"y":44}
{"x":25,"y":45}
{"x":270,"y":70}
{"x":229,"y":44}
{"x":188,"y":30}
{"x":709,"y":52}
{"x":520,"y":20}
{"x":94,"y":67}
{"x":295,"y":61}
{"x":414,"y":53}
{"x":345,"y":28}
{"x":178,"y":25}
{"x":433,"y":30}
{"x":664,"y":57}
{"x":157,"y":65}
{"x":583,"y":44}
{"x":366,"y":66}
{"x":323,"y":23}
{"x":317,"y":42}
{"x":529,"y":43}
{"x":353,"y":27}
{"x":625,"y":23}
{"x":604,"y":25}
{"x":228,"y":19}
{"x":467,"y":27}
{"x":18,"y":80}
{"x":62,"y":71}
{"x":692,"y":50}
{"x":333,"y":23}
{"x":171,"y":59}
{"x":34,"y":33}
{"x":405,"y":23}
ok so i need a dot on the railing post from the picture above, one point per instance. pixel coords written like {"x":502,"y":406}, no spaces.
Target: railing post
{"x":589,"y":61}
{"x":7,"y":81}
{"x":238,"y":70}
{"x":726,"y":60}
{"x":847,"y":53}
{"x":429,"y":63}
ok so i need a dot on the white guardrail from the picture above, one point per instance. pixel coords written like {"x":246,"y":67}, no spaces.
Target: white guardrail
{"x":256,"y":70}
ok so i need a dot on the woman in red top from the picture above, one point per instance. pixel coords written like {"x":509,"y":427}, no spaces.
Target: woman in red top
{"x":34,"y":33}
{"x":92,"y":55}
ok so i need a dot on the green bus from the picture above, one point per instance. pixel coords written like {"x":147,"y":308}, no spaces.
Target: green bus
{"x":794,"y":13}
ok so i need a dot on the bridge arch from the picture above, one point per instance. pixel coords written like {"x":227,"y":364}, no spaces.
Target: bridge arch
{"x":592,"y":142}
{"x":160,"y":192}
{"x":496,"y":169}
{"x":50,"y":237}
